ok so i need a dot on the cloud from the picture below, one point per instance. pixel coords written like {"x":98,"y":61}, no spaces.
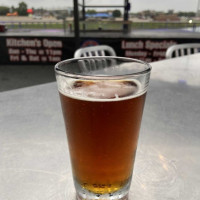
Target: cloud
{"x":164,"y":5}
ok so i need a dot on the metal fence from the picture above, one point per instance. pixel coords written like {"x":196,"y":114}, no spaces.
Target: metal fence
{"x":100,"y":25}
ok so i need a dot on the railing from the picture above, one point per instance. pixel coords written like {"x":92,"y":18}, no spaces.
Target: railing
{"x":163,"y":25}
{"x":100,"y":25}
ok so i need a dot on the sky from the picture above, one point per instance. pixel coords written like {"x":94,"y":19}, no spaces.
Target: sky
{"x":136,"y":5}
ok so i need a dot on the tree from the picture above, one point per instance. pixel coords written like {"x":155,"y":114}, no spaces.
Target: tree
{"x":91,"y":12}
{"x":186,"y":14}
{"x":13,"y":9}
{"x":116,"y":13}
{"x":22,"y":9}
{"x":170,"y":12}
{"x":4,"y":10}
{"x":191,"y":14}
{"x":148,"y":13}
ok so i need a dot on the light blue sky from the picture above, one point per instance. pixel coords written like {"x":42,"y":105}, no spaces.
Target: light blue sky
{"x":136,"y":5}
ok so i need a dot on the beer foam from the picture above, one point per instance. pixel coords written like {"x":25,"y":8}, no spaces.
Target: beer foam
{"x":99,"y":90}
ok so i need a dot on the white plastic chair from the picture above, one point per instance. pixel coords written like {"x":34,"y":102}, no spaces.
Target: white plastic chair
{"x":99,"y":50}
{"x":182,"y":50}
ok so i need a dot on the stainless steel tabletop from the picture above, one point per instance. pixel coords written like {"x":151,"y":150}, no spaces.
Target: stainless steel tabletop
{"x":34,"y":160}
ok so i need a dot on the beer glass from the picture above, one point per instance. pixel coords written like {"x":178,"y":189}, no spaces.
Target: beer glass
{"x":102,"y":101}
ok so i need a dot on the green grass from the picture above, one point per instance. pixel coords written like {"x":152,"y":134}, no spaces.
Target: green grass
{"x":35,"y":26}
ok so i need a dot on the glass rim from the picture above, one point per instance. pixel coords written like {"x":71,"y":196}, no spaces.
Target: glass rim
{"x":100,"y":77}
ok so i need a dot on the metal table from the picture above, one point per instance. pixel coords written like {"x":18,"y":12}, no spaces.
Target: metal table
{"x":34,"y":160}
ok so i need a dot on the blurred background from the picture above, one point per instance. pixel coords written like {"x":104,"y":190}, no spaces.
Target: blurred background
{"x":34,"y":35}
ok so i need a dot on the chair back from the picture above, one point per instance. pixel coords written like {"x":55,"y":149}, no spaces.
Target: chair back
{"x":99,"y":50}
{"x":182,"y":50}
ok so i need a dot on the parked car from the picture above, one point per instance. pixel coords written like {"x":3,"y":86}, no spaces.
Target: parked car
{"x":37,"y":17}
{"x":61,"y":16}
{"x":3,"y":28}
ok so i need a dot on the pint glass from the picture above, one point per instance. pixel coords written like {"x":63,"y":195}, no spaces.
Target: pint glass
{"x":102,"y":101}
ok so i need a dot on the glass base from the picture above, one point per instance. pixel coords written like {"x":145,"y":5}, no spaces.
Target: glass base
{"x":83,"y":194}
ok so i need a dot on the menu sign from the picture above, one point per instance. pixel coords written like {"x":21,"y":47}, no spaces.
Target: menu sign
{"x":148,"y":50}
{"x":50,"y":50}
{"x":34,"y":50}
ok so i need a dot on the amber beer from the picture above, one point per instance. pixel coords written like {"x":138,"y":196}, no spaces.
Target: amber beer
{"x":102,"y":120}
